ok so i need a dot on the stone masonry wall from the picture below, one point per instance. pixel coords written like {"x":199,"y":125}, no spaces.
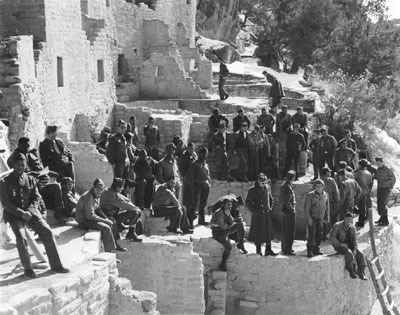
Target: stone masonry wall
{"x":274,"y":285}
{"x":172,"y":271}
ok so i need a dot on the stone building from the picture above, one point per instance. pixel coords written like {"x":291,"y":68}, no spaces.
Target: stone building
{"x":68,"y":62}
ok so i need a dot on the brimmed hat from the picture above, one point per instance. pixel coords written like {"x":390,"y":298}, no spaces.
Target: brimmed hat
{"x":67,"y":180}
{"x":118,"y":182}
{"x":98,"y":182}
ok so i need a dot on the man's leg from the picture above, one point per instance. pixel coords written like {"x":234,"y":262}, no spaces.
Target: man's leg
{"x":128,"y":218}
{"x":362,"y":206}
{"x":106,"y":233}
{"x":383,"y":196}
{"x":174,"y":214}
{"x":194,"y":211}
{"x":296,"y":158}
{"x":18,"y":228}
{"x":39,"y":226}
{"x":288,"y":163}
{"x":291,"y":230}
{"x":315,"y":166}
{"x":311,"y":230}
{"x":318,"y":237}
{"x":284,"y":234}
{"x":360,"y":259}
{"x":119,"y":169}
{"x":148,"y":193}
{"x":204,"y":193}
{"x":348,"y":260}
{"x":221,"y":237}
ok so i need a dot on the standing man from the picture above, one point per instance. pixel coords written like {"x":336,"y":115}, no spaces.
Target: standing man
{"x":259,"y":201}
{"x":168,"y":167}
{"x":215,"y":121}
{"x":350,"y":142}
{"x":117,"y":154}
{"x":294,"y":145}
{"x":199,"y":175}
{"x":276,"y":91}
{"x":267,"y":120}
{"x":68,"y":196}
{"x":131,"y":127}
{"x":301,"y":118}
{"x":287,"y":201}
{"x":327,"y":149}
{"x":332,"y":190}
{"x":184,"y":162}
{"x":254,"y":144}
{"x":365,"y":180}
{"x":344,"y":153}
{"x":223,"y":74}
{"x":145,"y":179}
{"x":283,"y":122}
{"x":20,"y":198}
{"x":241,"y":147}
{"x":316,"y":210}
{"x":386,"y":180}
{"x":239,"y":120}
{"x":265,"y":149}
{"x":152,"y":141}
{"x":314,"y":146}
{"x":350,"y":192}
{"x":344,"y":240}
{"x":56,"y":155}
{"x":218,"y":144}
{"x":222,"y":225}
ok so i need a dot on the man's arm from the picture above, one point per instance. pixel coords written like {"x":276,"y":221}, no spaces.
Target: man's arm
{"x":90,"y":211}
{"x":7,"y":203}
{"x":110,"y":151}
{"x":160,"y":173}
{"x":226,"y":121}
{"x":287,"y":195}
{"x":307,"y":207}
{"x":333,"y":237}
{"x":250,"y":201}
{"x":221,"y":220}
{"x":392,"y":178}
{"x":328,"y":209}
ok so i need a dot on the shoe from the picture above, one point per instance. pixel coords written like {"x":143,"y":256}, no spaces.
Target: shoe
{"x":222,"y":267}
{"x":352,"y":273}
{"x":187,"y":231}
{"x":379,"y":221}
{"x":30,"y":274}
{"x":361,"y":274}
{"x":132,"y":236}
{"x":174,"y":230}
{"x":269,"y":251}
{"x":317,"y":253}
{"x":259,"y":253}
{"x":241,"y":247}
{"x":202,"y":222}
{"x":383,"y":223}
{"x":315,"y":178}
{"x":289,"y":254}
{"x":310,"y":253}
{"x":60,"y":269}
{"x":121,"y":249}
{"x":133,"y":239}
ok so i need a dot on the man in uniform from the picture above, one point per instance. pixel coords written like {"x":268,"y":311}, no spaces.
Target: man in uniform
{"x":239,"y":120}
{"x":287,"y":202}
{"x":327,"y":149}
{"x":152,"y":141}
{"x":218,"y":143}
{"x":343,"y":237}
{"x":117,"y":153}
{"x":267,"y":120}
{"x":20,"y":198}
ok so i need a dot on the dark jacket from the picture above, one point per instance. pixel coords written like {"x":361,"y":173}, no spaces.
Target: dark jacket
{"x":328,"y":145}
{"x":184,"y":162}
{"x":214,"y":121}
{"x":283,"y":122}
{"x":199,"y":172}
{"x":144,"y":169}
{"x":50,"y":157}
{"x":276,"y":90}
{"x":152,"y":136}
{"x":346,"y":155}
{"x":300,"y":119}
{"x":385,"y":177}
{"x":341,"y":235}
{"x":259,"y":201}
{"x":238,"y":120}
{"x":287,"y":199}
{"x":295,"y":142}
{"x":220,"y":221}
{"x":116,"y":149}
{"x":19,"y":195}
{"x":241,"y":143}
{"x":268,"y":121}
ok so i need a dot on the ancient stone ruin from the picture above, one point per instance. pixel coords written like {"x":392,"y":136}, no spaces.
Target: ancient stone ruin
{"x":85,"y":64}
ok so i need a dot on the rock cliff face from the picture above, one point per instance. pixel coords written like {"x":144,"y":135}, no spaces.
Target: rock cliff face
{"x":218,"y":19}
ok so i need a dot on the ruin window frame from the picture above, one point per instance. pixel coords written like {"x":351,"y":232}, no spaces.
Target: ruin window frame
{"x":107,"y":3}
{"x":100,"y":71}
{"x":60,"y":72}
{"x":188,"y":1}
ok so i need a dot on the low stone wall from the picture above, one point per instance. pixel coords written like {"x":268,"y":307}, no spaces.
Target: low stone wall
{"x":170,"y":269}
{"x":297,"y":285}
{"x":89,"y":164}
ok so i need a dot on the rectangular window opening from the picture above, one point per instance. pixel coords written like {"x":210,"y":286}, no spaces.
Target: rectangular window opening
{"x":160,"y":71}
{"x":121,"y":64}
{"x":107,"y":3}
{"x":100,"y":71}
{"x":188,"y":1}
{"x":60,"y":74}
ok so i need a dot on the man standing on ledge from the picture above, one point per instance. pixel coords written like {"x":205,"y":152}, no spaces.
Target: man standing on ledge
{"x":20,"y":198}
{"x":117,"y":153}
{"x":343,"y":237}
{"x":276,"y":91}
{"x":287,"y":201}
{"x":386,"y":180}
{"x":223,"y":73}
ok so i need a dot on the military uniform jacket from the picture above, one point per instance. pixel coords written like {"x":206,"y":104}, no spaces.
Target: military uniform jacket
{"x":19,"y":194}
{"x":385,"y":177}
{"x":287,"y":199}
{"x":116,"y":149}
{"x":49,"y":155}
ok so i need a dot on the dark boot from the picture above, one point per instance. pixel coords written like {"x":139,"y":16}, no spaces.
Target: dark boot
{"x":222,"y":266}
{"x":268,"y":251}
{"x":309,"y":252}
{"x":240,"y":246}
{"x":352,"y":273}
{"x":132,"y":236}
{"x":361,"y":273}
{"x":202,"y":221}
{"x":258,"y":250}
{"x":119,"y":248}
{"x":316,"y":251}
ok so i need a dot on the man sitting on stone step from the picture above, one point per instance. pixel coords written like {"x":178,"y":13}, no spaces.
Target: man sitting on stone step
{"x":343,"y":237}
{"x":20,"y":198}
{"x":166,"y":204}
{"x":222,"y":225}
{"x":121,"y":211}
{"x":89,"y":215}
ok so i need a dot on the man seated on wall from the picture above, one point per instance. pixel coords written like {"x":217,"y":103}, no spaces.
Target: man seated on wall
{"x":52,"y":196}
{"x":55,"y":155}
{"x":165,"y":204}
{"x":343,"y":237}
{"x":120,"y":210}
{"x":32,"y":160}
{"x":89,"y":215}
{"x":20,"y":198}
{"x":69,"y":197}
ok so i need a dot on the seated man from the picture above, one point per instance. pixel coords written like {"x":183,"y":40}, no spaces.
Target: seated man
{"x":120,"y":210}
{"x":89,"y":215}
{"x":129,"y":192}
{"x":33,"y":162}
{"x":21,"y":199}
{"x":69,"y":198}
{"x":52,"y":196}
{"x":343,"y":237}
{"x":165,"y":204}
{"x":223,"y":224}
